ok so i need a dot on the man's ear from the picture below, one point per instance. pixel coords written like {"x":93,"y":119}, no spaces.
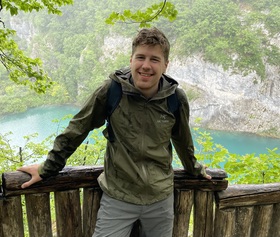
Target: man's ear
{"x":166,"y":65}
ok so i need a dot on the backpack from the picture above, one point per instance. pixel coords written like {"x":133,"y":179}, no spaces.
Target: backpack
{"x":114,"y":95}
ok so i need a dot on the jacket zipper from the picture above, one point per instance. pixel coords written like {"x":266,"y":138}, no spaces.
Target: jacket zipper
{"x":144,"y":169}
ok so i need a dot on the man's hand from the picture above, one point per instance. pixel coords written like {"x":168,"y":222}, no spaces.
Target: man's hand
{"x":204,"y":174}
{"x":33,"y":170}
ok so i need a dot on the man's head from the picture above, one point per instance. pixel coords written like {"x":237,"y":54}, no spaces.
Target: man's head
{"x":152,"y":37}
{"x":149,"y":60}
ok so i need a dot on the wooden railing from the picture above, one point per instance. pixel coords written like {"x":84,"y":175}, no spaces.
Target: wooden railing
{"x":207,"y":207}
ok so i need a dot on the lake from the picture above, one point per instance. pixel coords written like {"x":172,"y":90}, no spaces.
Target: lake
{"x":40,"y":120}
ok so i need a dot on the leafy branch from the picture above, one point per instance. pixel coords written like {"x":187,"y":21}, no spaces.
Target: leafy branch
{"x":22,"y":69}
{"x":165,"y":9}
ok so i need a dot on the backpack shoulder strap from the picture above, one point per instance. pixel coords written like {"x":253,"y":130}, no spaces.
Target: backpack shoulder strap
{"x":173,"y":103}
{"x":114,"y":95}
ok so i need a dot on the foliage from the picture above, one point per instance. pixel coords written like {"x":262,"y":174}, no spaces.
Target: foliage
{"x":12,"y":157}
{"x":249,"y":168}
{"x":242,"y":169}
{"x":14,"y":6}
{"x":144,"y":18}
{"x":227,"y":33}
{"x":22,"y":69}
{"x":90,"y":152}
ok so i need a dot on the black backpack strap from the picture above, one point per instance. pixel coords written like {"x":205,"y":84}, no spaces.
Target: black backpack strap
{"x":173,"y":103}
{"x":114,"y":95}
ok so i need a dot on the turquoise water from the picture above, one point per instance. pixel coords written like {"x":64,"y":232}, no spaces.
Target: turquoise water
{"x":39,"y":120}
{"x":244,"y":143}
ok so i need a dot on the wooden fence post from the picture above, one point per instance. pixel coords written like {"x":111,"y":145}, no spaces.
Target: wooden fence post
{"x":68,"y":213}
{"x":91,"y":203}
{"x":38,"y":214}
{"x":261,"y":221}
{"x":12,"y":219}
{"x":183,"y":202}
{"x":243,"y":219}
{"x":224,"y":222}
{"x":275,"y":223}
{"x":203,"y":214}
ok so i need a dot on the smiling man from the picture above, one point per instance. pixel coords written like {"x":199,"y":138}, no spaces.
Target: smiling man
{"x":147,"y":64}
{"x":137,"y":181}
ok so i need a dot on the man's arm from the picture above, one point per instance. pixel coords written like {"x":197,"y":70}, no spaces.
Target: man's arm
{"x":183,"y":142}
{"x":91,"y":116}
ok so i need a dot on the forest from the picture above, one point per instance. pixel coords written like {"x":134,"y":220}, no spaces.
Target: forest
{"x":61,"y":58}
{"x":238,"y":35}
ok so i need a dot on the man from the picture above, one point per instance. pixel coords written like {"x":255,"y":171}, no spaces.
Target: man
{"x":137,"y":181}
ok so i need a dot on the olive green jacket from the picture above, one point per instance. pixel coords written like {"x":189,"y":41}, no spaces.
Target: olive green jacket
{"x":138,"y":163}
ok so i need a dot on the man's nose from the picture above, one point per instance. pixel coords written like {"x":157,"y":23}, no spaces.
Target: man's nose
{"x":146,"y":64}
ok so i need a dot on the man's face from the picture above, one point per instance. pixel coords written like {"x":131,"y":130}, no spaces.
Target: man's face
{"x":147,"y":65}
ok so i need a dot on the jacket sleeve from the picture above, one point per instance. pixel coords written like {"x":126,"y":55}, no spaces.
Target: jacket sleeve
{"x":182,"y":138}
{"x":91,"y":116}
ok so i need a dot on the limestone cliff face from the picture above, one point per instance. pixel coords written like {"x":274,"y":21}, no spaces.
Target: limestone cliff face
{"x":227,"y":101}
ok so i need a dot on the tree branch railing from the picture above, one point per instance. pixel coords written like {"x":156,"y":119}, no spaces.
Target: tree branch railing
{"x":216,"y":209}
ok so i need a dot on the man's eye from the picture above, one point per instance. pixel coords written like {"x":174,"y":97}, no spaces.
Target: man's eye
{"x":155,"y":60}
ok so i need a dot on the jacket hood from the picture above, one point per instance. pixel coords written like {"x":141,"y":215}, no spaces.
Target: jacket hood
{"x":167,"y":85}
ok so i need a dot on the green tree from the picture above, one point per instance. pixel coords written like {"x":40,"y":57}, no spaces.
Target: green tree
{"x":23,"y":69}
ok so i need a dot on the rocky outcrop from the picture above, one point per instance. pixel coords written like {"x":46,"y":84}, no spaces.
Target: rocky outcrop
{"x":228,"y":101}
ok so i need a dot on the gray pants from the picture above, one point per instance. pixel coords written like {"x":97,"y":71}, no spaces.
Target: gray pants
{"x":115,"y":218}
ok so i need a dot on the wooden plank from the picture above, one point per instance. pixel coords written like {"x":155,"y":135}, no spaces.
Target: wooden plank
{"x":91,"y":203}
{"x":224,"y":223}
{"x":248,"y":189}
{"x":243,"y":221}
{"x":38,"y":214}
{"x":274,"y":229}
{"x":68,"y":178}
{"x":203,"y":214}
{"x":12,"y":219}
{"x":215,"y":173}
{"x":86,"y":176}
{"x":201,"y":184}
{"x":183,"y":202}
{"x":250,"y":200}
{"x":248,"y":195}
{"x":261,"y":220}
{"x":68,"y":213}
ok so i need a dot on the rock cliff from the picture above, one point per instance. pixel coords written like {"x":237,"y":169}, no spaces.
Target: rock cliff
{"x":227,"y":101}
